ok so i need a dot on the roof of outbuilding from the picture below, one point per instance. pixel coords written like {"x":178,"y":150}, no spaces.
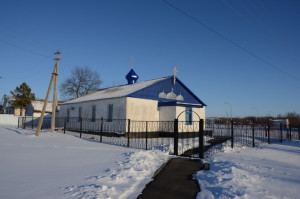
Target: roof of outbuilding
{"x":37,"y":105}
{"x":114,"y":92}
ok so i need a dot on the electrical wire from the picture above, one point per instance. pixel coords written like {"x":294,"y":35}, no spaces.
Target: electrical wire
{"x":283,"y":46}
{"x":230,"y":41}
{"x":24,"y":49}
{"x":238,"y":13}
{"x":22,"y":38}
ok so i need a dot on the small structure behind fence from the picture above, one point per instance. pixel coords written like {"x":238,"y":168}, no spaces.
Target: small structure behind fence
{"x":194,"y":139}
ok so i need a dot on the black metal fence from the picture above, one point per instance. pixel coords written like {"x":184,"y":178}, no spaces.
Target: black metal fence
{"x":251,"y":135}
{"x":176,"y":137}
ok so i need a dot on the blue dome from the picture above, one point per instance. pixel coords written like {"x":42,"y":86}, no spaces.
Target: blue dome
{"x":132,"y":77}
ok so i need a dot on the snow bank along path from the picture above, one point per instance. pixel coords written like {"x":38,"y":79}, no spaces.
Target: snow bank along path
{"x":63,"y":166}
{"x":272,"y":171}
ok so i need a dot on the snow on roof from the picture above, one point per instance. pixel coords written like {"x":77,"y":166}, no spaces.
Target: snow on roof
{"x":120,"y":91}
{"x":38,"y":106}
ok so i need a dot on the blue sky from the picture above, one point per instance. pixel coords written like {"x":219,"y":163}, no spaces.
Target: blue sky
{"x":105,"y":34}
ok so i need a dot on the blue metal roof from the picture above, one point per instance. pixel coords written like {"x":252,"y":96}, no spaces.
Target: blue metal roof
{"x":172,"y":92}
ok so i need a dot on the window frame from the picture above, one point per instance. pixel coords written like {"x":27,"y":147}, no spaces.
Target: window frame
{"x":188,"y":115}
{"x":68,"y":115}
{"x":93,"y":113}
{"x":110,"y":110}
{"x":79,"y":113}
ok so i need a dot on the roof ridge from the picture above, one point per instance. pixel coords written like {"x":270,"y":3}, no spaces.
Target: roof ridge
{"x":132,"y":84}
{"x":128,"y":88}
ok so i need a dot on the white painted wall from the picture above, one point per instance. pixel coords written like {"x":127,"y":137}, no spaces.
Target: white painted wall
{"x":38,"y":114}
{"x":194,"y":127}
{"x":119,"y":108}
{"x":199,"y":111}
{"x":19,"y":112}
{"x":141,"y":109}
{"x":8,"y":119}
{"x":167,"y":113}
{"x":131,"y":108}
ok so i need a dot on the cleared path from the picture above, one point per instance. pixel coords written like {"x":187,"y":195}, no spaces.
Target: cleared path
{"x":174,"y":181}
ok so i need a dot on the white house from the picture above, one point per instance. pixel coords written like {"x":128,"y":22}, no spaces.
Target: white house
{"x":35,"y":108}
{"x":162,"y":99}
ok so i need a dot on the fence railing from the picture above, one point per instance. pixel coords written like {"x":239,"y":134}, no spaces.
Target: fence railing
{"x":177,"y":137}
{"x":251,"y":135}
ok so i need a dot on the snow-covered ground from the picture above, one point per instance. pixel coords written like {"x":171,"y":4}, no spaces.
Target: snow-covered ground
{"x":270,"y":171}
{"x":63,"y":166}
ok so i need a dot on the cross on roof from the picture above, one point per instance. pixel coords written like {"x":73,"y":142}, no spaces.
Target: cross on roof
{"x":175,"y":71}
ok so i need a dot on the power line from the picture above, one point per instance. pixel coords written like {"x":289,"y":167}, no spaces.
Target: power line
{"x":32,"y":70}
{"x":238,"y":13}
{"x":266,"y":37}
{"x":229,"y":40}
{"x":24,"y":49}
{"x":21,"y":37}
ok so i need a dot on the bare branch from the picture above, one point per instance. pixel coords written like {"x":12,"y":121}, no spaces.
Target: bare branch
{"x":83,"y":80}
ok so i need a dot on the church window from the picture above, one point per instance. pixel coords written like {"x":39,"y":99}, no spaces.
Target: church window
{"x":68,"y":115}
{"x":110,"y":113}
{"x":94,"y":113}
{"x":188,"y":115}
{"x":79,"y":113}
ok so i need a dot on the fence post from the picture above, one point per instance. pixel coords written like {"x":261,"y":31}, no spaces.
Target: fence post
{"x":281,"y":132}
{"x":101,"y":128}
{"x":201,"y":139}
{"x":146,"y":135}
{"x":269,"y":141}
{"x":24,"y":120}
{"x":290,"y":132}
{"x":32,"y":122}
{"x":65,"y":125}
{"x":176,"y":137}
{"x":232,"y":139}
{"x":298,"y":133}
{"x":128,"y":134}
{"x":18,"y":122}
{"x":253,"y":135}
{"x":80,"y":126}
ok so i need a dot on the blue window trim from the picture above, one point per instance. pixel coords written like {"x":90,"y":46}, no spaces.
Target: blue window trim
{"x":188,"y":115}
{"x":174,"y":103}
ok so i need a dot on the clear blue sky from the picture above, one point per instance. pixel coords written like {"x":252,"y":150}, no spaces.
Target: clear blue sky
{"x":252,"y":62}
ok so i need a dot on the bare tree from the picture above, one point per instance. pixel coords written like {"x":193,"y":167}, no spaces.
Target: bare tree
{"x":83,"y":80}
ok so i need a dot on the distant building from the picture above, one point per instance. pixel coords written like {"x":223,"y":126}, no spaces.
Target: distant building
{"x":162,"y":99}
{"x":35,"y":108}
{"x":276,"y":123}
{"x":7,"y":105}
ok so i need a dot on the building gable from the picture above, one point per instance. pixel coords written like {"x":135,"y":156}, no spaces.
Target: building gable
{"x":167,"y":92}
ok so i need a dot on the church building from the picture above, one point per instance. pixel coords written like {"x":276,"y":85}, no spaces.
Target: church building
{"x":162,"y":99}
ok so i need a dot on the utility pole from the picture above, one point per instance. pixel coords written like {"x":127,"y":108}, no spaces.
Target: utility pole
{"x":53,"y":78}
{"x":54,"y":105}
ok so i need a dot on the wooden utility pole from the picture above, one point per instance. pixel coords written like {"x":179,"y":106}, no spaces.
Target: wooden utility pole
{"x":54,"y":105}
{"x":53,"y":78}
